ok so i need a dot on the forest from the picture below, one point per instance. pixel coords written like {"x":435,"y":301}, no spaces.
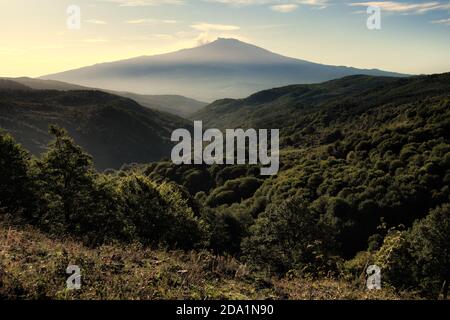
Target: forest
{"x":364,"y":179}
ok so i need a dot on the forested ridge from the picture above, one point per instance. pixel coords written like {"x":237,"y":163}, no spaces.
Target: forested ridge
{"x":364,"y":179}
{"x":113,"y":129}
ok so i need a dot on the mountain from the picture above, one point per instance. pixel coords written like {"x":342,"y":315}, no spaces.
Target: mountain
{"x":177,"y":105}
{"x":224,"y":68}
{"x":286,"y":106}
{"x":113,"y":129}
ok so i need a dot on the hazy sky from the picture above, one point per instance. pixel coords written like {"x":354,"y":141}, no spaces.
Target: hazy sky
{"x":35,"y":40}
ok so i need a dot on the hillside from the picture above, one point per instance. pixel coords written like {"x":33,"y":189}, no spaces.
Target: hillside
{"x":113,"y":129}
{"x":6,"y":84}
{"x":177,"y":105}
{"x":38,"y":84}
{"x":225,"y":68}
{"x":366,"y":154}
{"x":32,"y":266}
{"x":287,"y":106}
{"x":364,"y":180}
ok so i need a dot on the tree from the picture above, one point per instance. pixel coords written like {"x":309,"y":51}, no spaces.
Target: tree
{"x":66,"y":179}
{"x":430,"y":243}
{"x":289,"y":236}
{"x":16,"y":189}
{"x":144,"y":207}
{"x":419,"y":257}
{"x":186,"y":229}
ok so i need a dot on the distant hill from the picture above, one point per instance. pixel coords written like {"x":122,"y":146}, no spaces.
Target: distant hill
{"x":177,"y":105}
{"x":287,"y":106}
{"x":39,"y":84}
{"x":6,"y":84}
{"x":224,"y":68}
{"x":115,"y":130}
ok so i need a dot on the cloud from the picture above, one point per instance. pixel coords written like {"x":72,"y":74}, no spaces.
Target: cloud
{"x":404,"y":7}
{"x":284,"y":8}
{"x":275,"y":5}
{"x":151,"y":21}
{"x":95,"y":40}
{"x":144,"y":3}
{"x":211,"y":31}
{"x":442,"y":21}
{"x":321,"y":4}
{"x":205,"y":27}
{"x":95,"y":21}
{"x":240,"y":3}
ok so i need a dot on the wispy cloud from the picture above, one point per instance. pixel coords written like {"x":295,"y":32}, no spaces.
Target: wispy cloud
{"x":151,"y":21}
{"x":210,"y":31}
{"x":95,"y":40}
{"x":442,"y":21}
{"x":404,"y":7}
{"x":95,"y":21}
{"x":321,"y":4}
{"x":144,"y":3}
{"x":276,"y":5}
{"x":284,"y":8}
{"x":203,"y":26}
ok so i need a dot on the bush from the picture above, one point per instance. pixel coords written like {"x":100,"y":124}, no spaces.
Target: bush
{"x":186,"y":229}
{"x":395,"y":260}
{"x":289,"y":236}
{"x":430,"y":244}
{"x":419,"y":257}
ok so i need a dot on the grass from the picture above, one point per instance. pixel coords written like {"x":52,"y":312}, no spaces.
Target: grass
{"x":33,"y":266}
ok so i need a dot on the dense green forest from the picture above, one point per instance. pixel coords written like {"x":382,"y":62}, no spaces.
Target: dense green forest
{"x":364,"y":179}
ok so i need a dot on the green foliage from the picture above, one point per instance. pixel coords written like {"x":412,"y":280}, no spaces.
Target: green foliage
{"x":66,"y":181}
{"x":114,"y":130}
{"x":430,"y":244}
{"x":226,"y":228}
{"x":16,"y":186}
{"x":289,"y":236}
{"x":355,"y":153}
{"x":419,"y":257}
{"x":185,"y":229}
{"x":72,"y":198}
{"x":395,"y":260}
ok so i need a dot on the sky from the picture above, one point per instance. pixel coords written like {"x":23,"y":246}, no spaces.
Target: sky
{"x":37,"y":37}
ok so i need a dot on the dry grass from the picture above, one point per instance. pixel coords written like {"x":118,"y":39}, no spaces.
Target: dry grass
{"x":33,"y":266}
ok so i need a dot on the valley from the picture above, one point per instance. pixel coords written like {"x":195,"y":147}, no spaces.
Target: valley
{"x":364,"y":171}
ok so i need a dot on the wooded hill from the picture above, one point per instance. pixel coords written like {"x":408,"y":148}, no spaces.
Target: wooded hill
{"x":113,"y":129}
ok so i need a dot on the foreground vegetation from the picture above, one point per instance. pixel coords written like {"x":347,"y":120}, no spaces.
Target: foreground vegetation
{"x":32,"y":266}
{"x":363,"y":181}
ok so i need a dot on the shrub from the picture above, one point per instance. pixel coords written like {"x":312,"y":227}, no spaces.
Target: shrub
{"x":430,"y":244}
{"x":289,"y":236}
